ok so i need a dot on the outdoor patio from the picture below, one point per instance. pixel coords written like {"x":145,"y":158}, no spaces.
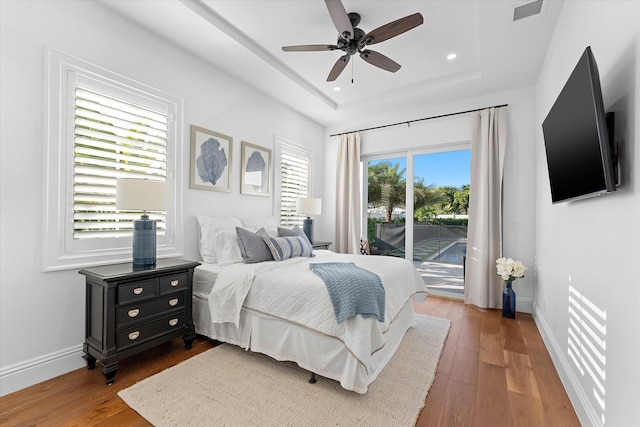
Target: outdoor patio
{"x":443,"y":277}
{"x":446,"y":275}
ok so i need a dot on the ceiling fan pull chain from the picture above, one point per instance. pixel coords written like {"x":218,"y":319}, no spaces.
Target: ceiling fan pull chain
{"x":352,"y":71}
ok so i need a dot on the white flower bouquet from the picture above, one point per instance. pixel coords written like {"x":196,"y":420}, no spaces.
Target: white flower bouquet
{"x":509,"y":269}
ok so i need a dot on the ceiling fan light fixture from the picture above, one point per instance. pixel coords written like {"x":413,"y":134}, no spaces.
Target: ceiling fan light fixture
{"x":451,"y":56}
{"x":337,"y":89}
{"x":352,"y":40}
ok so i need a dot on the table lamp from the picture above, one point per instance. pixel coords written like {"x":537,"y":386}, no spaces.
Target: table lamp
{"x":309,"y":207}
{"x":145,"y":195}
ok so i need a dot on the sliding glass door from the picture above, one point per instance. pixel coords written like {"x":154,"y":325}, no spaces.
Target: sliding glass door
{"x":441,"y":203}
{"x":426,"y":221}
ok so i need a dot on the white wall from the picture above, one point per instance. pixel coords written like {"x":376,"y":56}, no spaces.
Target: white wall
{"x":519,"y":173}
{"x":593,"y":244}
{"x":42,"y":314}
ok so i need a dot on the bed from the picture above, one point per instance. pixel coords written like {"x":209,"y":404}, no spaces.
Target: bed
{"x":282,"y":309}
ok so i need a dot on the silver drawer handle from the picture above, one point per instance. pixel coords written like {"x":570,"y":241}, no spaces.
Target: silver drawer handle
{"x":173,"y":322}
{"x":175,"y":282}
{"x":138,"y":291}
{"x":134,"y":335}
{"x":134,"y":312}
{"x":173,"y":302}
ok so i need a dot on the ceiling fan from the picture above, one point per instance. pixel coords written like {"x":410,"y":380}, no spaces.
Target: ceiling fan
{"x":352,"y":39}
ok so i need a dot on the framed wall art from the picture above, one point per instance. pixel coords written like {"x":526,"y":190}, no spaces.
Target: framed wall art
{"x":211,"y":160}
{"x":255,"y":174}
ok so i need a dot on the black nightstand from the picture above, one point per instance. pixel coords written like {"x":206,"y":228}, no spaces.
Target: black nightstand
{"x":130,"y":309}
{"x":321,"y":245}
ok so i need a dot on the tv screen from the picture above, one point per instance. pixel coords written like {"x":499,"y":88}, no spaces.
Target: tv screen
{"x":576,"y":137}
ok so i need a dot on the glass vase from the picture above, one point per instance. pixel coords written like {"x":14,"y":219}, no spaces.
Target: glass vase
{"x":508,"y":301}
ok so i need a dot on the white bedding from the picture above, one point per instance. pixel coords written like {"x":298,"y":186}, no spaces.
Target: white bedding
{"x":203,"y":281}
{"x":283,"y":310}
{"x":288,"y":290}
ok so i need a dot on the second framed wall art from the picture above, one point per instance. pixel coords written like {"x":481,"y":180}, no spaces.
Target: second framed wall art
{"x":255,"y":170}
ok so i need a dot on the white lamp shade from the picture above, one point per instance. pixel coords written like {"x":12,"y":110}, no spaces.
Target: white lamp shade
{"x":141,"y":194}
{"x":309,"y":206}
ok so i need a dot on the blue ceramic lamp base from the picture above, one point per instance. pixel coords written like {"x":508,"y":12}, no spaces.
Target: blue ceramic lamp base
{"x":307,"y":227}
{"x":144,"y":241}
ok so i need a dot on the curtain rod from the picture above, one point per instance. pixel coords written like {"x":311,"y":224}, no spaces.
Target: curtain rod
{"x":419,"y":120}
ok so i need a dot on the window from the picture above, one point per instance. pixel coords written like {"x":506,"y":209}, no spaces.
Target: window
{"x":113,"y":139}
{"x":103,"y":126}
{"x":294,"y":181}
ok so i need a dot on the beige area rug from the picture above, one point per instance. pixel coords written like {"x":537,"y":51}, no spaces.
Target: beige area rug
{"x":228,"y":386}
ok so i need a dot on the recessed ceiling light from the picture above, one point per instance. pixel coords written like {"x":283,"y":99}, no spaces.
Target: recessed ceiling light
{"x":451,"y":56}
{"x":337,"y":88}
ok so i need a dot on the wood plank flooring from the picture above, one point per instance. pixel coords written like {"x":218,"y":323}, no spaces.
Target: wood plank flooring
{"x":493,"y":372}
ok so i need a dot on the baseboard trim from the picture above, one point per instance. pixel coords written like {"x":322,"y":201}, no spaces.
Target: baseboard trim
{"x":524,"y":305}
{"x":585,"y":411}
{"x":24,"y":374}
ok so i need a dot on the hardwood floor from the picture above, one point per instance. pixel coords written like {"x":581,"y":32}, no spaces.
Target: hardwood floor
{"x":493,"y":372}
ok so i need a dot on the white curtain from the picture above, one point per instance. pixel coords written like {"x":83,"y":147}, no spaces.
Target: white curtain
{"x":348,"y":211}
{"x":483,"y":286}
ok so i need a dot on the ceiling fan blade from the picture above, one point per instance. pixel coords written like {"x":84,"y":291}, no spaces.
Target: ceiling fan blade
{"x":392,"y":29}
{"x":310,"y":48}
{"x":380,"y":60}
{"x":340,"y":64}
{"x":340,"y":18}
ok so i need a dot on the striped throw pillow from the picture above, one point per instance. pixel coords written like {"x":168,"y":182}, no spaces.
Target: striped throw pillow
{"x":288,"y":247}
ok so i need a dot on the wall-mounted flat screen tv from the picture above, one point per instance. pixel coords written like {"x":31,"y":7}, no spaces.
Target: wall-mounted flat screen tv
{"x":577,"y":137}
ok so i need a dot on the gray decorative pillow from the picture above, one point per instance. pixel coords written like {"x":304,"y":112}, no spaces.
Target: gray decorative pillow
{"x":252,"y":245}
{"x":289,"y":247}
{"x":296,"y":231}
{"x":287,"y":232}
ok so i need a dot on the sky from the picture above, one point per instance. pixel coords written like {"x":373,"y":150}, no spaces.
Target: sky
{"x":451,"y":168}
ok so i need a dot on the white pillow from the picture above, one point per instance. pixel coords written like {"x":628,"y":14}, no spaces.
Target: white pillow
{"x":207,"y":228}
{"x":269,"y":223}
{"x":227,"y":248}
{"x":260,"y":222}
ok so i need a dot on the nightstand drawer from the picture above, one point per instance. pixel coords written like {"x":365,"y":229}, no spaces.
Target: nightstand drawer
{"x":137,"y":291}
{"x":138,"y":312}
{"x":140,"y":333}
{"x":178,"y":282}
{"x":135,"y":312}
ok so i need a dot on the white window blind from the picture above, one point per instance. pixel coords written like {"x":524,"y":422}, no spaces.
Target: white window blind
{"x":113,"y":139}
{"x":294,"y":184}
{"x":102,"y":126}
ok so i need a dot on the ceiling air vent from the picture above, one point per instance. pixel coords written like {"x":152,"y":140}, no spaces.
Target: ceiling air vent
{"x":527,"y":9}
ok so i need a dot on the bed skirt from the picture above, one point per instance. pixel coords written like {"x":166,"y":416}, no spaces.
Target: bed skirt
{"x":316,"y":352}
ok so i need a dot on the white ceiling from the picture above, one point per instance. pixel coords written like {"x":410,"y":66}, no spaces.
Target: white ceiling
{"x":244,"y":37}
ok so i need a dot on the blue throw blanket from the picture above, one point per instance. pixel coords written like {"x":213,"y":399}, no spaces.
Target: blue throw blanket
{"x":353,"y":290}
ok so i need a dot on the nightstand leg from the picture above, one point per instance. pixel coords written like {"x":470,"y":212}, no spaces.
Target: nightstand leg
{"x":91,"y":361}
{"x":189,"y":335}
{"x":188,"y":340}
{"x":109,"y":372}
